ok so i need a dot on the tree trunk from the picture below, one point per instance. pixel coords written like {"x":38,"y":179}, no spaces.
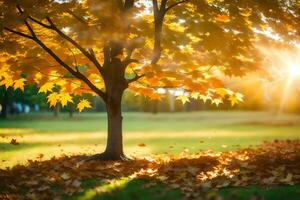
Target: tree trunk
{"x":114,"y":143}
{"x":115,"y":84}
{"x":3,"y":114}
{"x":114,"y":146}
{"x":71,"y":111}
{"x":56,"y":110}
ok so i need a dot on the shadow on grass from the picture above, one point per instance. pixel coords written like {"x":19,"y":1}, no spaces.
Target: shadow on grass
{"x":272,"y":193}
{"x":125,"y":189}
{"x":270,"y":165}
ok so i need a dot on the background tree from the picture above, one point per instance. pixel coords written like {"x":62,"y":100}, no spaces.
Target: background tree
{"x":104,"y":47}
{"x":27,"y":97}
{"x":4,"y":98}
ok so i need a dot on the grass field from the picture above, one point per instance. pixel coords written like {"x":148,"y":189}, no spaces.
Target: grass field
{"x":161,"y":133}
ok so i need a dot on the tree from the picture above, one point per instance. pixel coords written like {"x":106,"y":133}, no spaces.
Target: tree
{"x":104,"y":47}
{"x":3,"y":102}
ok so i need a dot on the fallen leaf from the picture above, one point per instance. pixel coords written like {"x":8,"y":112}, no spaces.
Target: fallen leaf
{"x":14,"y":142}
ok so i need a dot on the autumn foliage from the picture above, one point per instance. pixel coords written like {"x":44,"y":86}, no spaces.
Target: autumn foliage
{"x":69,"y":48}
{"x":198,"y":39}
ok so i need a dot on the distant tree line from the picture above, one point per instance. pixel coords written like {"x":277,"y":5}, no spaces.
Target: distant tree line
{"x":11,"y":100}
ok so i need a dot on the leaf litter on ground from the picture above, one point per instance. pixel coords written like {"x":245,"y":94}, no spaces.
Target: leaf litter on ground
{"x":196,"y":175}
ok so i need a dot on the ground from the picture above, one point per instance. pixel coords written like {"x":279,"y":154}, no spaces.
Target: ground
{"x":41,"y":136}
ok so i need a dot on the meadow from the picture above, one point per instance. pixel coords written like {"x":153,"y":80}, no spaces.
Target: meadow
{"x":42,"y":136}
{"x":144,"y":133}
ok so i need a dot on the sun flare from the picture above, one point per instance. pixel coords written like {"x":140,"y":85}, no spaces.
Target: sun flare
{"x":294,"y":71}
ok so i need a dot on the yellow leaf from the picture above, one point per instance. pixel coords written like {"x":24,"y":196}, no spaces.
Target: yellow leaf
{"x":53,"y":98}
{"x":205,"y":97}
{"x":236,"y":98}
{"x":37,"y":77}
{"x":60,"y":82}
{"x":217,"y":101}
{"x":83,"y":104}
{"x":19,"y":84}
{"x":65,"y":98}
{"x":7,"y":82}
{"x":195,"y":95}
{"x":183,"y":99}
{"x":47,"y":87}
{"x":223,"y":92}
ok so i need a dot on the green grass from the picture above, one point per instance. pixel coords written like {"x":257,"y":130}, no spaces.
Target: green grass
{"x":162,"y":133}
{"x":274,"y":193}
{"x":124,"y":189}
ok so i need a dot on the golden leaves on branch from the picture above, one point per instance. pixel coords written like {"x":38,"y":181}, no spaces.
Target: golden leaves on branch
{"x":183,"y":99}
{"x":216,"y":96}
{"x":8,"y":79}
{"x":63,"y":98}
{"x":53,"y":98}
{"x":235,"y":98}
{"x":19,"y":84}
{"x":47,"y":87}
{"x":83,"y":104}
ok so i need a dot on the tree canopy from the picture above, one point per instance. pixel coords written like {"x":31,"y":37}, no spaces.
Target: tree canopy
{"x":63,"y":46}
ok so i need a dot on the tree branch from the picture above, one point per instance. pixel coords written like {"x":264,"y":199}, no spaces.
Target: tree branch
{"x":18,"y":33}
{"x":77,"y":74}
{"x":155,"y":7}
{"x":26,"y":23}
{"x":106,"y":53}
{"x":52,"y":26}
{"x":163,"y":5}
{"x":39,"y":22}
{"x":128,"y":61}
{"x":80,"y":48}
{"x":175,"y":4}
{"x":77,"y":17}
{"x":136,"y":78}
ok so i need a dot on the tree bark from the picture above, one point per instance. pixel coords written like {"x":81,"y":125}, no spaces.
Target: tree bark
{"x":115,"y":85}
{"x":114,"y":146}
{"x":114,"y":142}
